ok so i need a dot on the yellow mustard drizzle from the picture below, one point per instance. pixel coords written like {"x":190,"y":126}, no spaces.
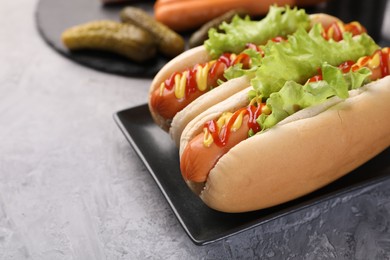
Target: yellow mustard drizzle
{"x":180,"y":84}
{"x":162,"y":87}
{"x":238,"y":122}
{"x":357,"y":24}
{"x":255,"y":100}
{"x":201,"y":75}
{"x":266,"y":110}
{"x":341,"y":26}
{"x":233,"y":56}
{"x":201,"y":81}
{"x":207,"y":138}
{"x":374,"y":61}
{"x":224,"y":119}
{"x":258,"y":100}
{"x":331,"y":30}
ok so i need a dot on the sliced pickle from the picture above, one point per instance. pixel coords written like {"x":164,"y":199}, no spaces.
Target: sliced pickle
{"x":124,"y":39}
{"x":169,"y":42}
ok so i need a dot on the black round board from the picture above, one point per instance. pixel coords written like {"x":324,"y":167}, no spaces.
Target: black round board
{"x":55,"y":16}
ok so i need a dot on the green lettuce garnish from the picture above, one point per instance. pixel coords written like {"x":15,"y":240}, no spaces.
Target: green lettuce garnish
{"x":301,"y":56}
{"x":280,"y":21}
{"x":236,"y":70}
{"x":294,"y":96}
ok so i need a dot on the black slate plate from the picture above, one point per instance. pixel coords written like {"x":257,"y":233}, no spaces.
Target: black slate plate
{"x":202,"y":224}
{"x":54,"y":16}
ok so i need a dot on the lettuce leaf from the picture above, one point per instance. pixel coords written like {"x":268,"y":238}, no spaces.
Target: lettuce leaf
{"x":280,"y":21}
{"x":300,"y":57}
{"x":293,"y":96}
{"x":237,"y":71}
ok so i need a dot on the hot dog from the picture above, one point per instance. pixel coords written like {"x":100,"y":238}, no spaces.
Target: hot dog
{"x":190,"y":14}
{"x":303,"y":136}
{"x":176,"y":92}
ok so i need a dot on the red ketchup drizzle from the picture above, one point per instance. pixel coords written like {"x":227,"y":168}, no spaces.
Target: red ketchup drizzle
{"x":215,"y":68}
{"x":337,"y":35}
{"x":254,"y":47}
{"x":170,"y":82}
{"x":191,"y":85}
{"x":278,"y":39}
{"x":222,"y":137}
{"x":365,"y":60}
{"x":225,"y":58}
{"x":254,"y":113}
{"x":244,"y":59}
{"x":384,"y":63}
{"x":317,"y":77}
{"x":346,"y":66}
{"x":351,"y":65}
{"x":354,"y":29}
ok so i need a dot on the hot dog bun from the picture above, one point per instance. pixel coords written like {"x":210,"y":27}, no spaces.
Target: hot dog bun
{"x":285,"y":162}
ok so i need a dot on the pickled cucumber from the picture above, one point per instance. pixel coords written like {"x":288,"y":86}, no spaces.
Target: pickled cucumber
{"x":169,"y":42}
{"x":199,"y":36}
{"x":124,"y":39}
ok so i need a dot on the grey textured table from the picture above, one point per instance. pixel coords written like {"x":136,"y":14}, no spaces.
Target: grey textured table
{"x":71,"y":187}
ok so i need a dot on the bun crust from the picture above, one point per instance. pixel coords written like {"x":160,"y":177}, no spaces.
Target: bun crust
{"x":298,"y":157}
